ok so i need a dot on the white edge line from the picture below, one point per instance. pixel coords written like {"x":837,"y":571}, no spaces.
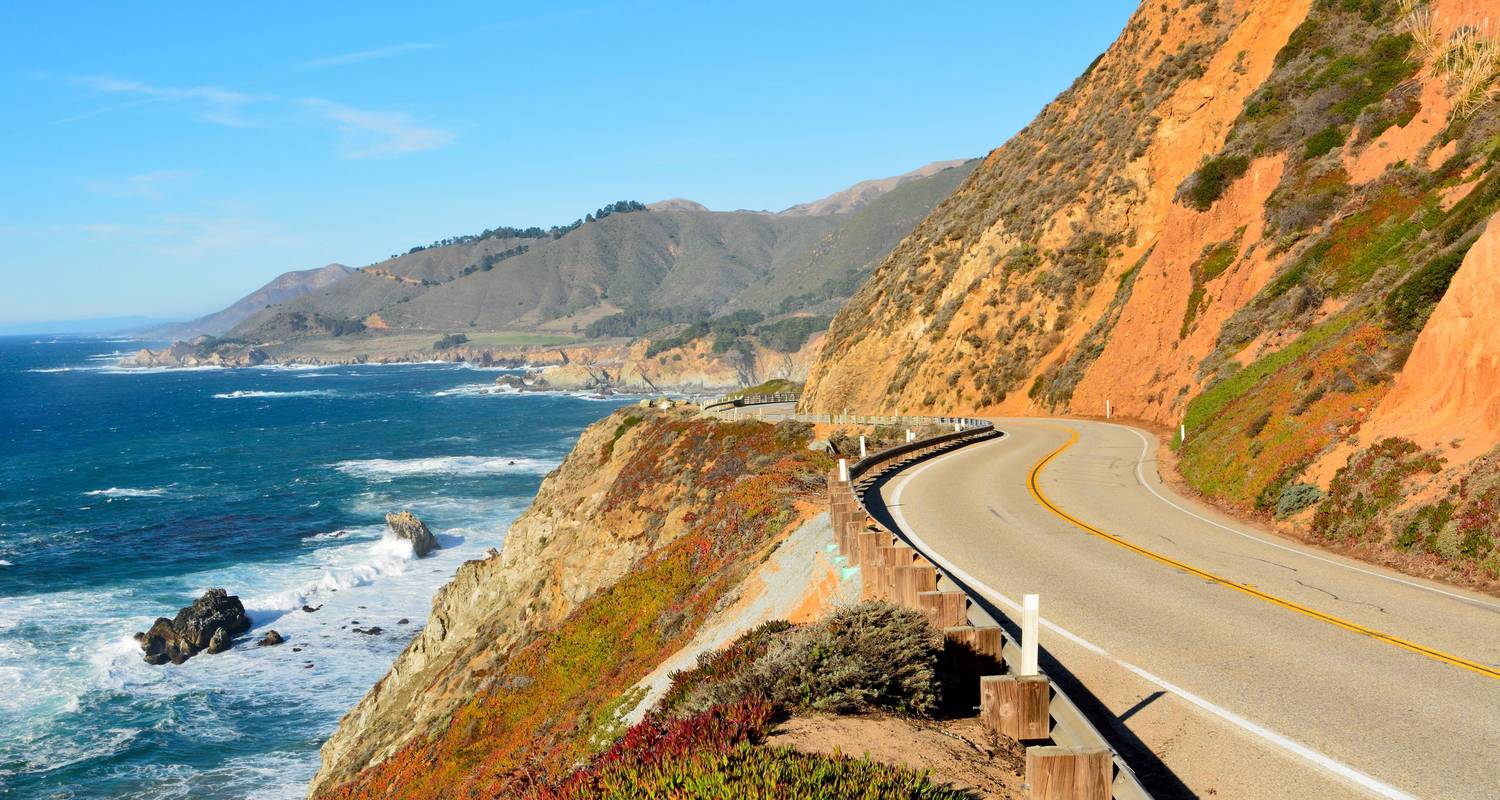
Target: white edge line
{"x":1140,"y":476}
{"x":1296,"y":748}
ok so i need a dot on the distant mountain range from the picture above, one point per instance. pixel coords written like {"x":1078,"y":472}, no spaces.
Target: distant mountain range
{"x":671,"y":261}
{"x":284,"y":287}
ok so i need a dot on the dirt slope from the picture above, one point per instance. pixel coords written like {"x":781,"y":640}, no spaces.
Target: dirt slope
{"x":1243,"y":217}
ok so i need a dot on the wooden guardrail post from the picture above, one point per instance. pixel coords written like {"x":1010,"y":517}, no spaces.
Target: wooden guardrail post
{"x":1065,"y":773}
{"x":869,"y":543}
{"x":974,"y":650}
{"x":1016,"y":705}
{"x":910,"y":580}
{"x":943,"y":609}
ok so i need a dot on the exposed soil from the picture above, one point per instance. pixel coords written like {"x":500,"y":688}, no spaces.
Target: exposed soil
{"x":959,"y":752}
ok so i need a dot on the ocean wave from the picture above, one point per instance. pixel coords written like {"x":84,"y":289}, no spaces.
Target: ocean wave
{"x":65,"y":369}
{"x":254,"y":393}
{"x":476,"y":390}
{"x":388,"y":468}
{"x":117,"y":492}
{"x":4,"y":563}
{"x":118,"y":370}
{"x":388,"y":556}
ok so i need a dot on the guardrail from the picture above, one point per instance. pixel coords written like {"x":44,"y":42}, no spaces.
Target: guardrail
{"x":751,"y":400}
{"x":1067,"y":758}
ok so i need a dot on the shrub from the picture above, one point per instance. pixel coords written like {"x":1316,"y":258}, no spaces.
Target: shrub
{"x":1409,"y":304}
{"x":1296,"y":497}
{"x":1323,"y":141}
{"x":450,"y":341}
{"x":1211,"y":179}
{"x":860,"y":658}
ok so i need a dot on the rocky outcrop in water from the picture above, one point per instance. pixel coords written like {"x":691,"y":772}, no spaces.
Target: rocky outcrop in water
{"x":202,"y":351}
{"x":210,"y":623}
{"x":405,"y":525}
{"x":271,"y":639}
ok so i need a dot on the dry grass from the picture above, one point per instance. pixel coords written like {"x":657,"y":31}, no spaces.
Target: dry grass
{"x":1469,"y":62}
{"x":1471,"y":65}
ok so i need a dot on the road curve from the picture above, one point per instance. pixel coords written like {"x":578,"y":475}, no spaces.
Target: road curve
{"x":1216,"y":646}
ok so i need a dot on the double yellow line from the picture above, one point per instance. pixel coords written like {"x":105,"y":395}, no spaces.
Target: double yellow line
{"x":1436,"y":655}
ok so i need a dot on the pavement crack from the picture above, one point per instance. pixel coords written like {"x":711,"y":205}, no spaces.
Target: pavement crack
{"x":1379,"y":608}
{"x":1277,"y":564}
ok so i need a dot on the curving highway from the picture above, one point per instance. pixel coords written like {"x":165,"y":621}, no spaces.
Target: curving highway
{"x":1249,"y":665}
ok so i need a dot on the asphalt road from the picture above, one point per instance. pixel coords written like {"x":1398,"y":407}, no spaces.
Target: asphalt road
{"x":1249,"y":692}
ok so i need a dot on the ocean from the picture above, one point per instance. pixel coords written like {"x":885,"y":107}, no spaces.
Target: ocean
{"x":124,"y":494}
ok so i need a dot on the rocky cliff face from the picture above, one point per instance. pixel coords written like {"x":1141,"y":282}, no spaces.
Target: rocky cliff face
{"x":1241,"y":218}
{"x":643,"y":490}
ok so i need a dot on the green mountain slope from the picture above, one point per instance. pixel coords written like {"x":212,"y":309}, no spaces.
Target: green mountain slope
{"x":674,"y":257}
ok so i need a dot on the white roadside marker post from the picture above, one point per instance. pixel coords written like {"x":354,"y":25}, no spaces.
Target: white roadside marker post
{"x":1031,"y":610}
{"x":861,"y":446}
{"x":1107,"y":410}
{"x":843,"y":470}
{"x":1182,"y":433}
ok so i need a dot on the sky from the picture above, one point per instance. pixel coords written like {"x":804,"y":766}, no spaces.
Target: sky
{"x":164,"y":159}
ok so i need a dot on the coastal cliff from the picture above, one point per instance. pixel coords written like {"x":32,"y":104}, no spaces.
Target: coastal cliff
{"x":693,"y":365}
{"x":631,"y":543}
{"x":1261,"y":220}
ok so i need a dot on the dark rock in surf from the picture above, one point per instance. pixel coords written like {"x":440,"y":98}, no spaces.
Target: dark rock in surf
{"x":271,"y":639}
{"x":210,"y":623}
{"x":405,"y":525}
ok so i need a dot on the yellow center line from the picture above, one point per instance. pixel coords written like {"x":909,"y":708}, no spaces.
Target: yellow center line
{"x":1437,"y":655}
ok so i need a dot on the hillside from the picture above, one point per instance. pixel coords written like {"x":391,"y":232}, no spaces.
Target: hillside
{"x":283,"y":288}
{"x":674,"y":258}
{"x":1243,"y":217}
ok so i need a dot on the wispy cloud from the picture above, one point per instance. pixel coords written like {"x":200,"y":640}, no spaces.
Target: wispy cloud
{"x":364,"y":133}
{"x":357,"y":57}
{"x":147,"y":185}
{"x":378,"y":134}
{"x":213,"y":104}
{"x":216,"y":233}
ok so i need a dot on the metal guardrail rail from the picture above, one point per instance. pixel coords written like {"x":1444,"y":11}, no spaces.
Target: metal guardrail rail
{"x":1068,"y":726}
{"x":751,"y":400}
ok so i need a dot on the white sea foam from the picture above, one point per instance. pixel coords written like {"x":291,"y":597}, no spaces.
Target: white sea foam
{"x":118,"y":370}
{"x":117,"y":492}
{"x":476,"y":390}
{"x":388,"y":556}
{"x":4,"y":563}
{"x":388,"y":468}
{"x":254,"y":393}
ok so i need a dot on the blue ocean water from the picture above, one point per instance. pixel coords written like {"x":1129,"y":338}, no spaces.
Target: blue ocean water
{"x":125,"y":493}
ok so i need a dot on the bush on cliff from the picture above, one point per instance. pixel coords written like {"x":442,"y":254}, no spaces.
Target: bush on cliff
{"x":872,"y":656}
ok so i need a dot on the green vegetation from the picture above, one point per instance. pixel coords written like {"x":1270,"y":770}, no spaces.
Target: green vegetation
{"x":1372,"y":483}
{"x":1211,"y":179}
{"x":872,"y":656}
{"x":450,"y":341}
{"x":717,"y":754}
{"x":637,"y":323}
{"x":1323,"y":141}
{"x":1214,"y":261}
{"x":532,"y":714}
{"x":773,"y":386}
{"x":789,"y":334}
{"x":507,"y":232}
{"x":726,"y":331}
{"x":1410,"y":303}
{"x":1295,"y":497}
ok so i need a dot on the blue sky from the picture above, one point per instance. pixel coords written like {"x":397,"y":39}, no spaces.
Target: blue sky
{"x":167,"y":158}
